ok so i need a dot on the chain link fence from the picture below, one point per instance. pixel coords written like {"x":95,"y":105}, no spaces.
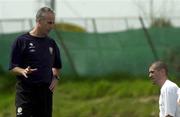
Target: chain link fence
{"x":98,"y":25}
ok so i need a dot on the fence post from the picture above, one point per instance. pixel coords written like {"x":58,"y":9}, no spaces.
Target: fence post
{"x":127,"y":24}
{"x":30,"y":23}
{"x":94,"y":25}
{"x":148,"y":37}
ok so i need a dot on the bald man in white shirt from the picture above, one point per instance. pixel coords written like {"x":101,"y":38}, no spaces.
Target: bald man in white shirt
{"x":168,"y":105}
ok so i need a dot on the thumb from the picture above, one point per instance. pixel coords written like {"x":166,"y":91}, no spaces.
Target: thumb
{"x":28,"y":67}
{"x":25,"y":75}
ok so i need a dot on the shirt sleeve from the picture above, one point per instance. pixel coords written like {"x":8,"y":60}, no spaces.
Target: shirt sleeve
{"x":57,"y":59}
{"x":16,"y":54}
{"x":171,"y":101}
{"x":178,"y":93}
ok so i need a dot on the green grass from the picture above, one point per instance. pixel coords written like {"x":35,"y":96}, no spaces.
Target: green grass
{"x":122,"y":96}
{"x":106,"y":98}
{"x":7,"y":105}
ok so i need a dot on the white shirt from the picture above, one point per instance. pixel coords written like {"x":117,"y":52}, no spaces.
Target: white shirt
{"x":178,"y":93}
{"x":168,"y":100}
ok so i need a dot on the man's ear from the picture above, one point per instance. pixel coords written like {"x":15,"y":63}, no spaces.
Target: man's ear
{"x":163,"y":71}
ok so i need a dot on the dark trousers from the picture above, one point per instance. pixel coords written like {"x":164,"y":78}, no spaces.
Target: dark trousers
{"x":33,"y":100}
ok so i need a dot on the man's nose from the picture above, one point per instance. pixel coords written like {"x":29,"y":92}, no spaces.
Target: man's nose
{"x":150,"y":75}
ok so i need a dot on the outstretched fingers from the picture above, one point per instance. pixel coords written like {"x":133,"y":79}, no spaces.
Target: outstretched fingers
{"x":28,"y":70}
{"x":35,"y":69}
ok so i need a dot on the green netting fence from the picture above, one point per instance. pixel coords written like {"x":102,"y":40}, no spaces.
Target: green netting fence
{"x":108,"y":53}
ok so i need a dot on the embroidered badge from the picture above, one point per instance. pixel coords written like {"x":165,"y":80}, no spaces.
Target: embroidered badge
{"x":31,"y":45}
{"x":51,"y":50}
{"x":19,"y":111}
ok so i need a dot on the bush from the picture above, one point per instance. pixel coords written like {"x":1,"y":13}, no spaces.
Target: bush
{"x":161,"y":22}
{"x":69,"y":27}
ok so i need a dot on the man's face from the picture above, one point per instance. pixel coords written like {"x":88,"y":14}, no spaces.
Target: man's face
{"x":47,"y":23}
{"x":154,"y":74}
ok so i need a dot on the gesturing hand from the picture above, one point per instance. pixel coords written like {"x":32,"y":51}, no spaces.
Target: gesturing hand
{"x":28,"y":70}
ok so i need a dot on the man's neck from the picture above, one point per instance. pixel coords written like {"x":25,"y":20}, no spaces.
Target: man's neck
{"x":35,"y":32}
{"x":162,"y":81}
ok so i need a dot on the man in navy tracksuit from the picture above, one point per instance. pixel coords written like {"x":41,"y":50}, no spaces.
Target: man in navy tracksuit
{"x":35,"y":59}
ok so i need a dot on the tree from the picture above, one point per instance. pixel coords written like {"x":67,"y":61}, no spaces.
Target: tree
{"x":158,"y":16}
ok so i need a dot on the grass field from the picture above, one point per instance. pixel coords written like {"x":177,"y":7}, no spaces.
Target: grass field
{"x":120,"y":96}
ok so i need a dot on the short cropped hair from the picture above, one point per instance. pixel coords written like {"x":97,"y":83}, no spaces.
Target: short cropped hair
{"x":41,"y":12}
{"x":160,"y":65}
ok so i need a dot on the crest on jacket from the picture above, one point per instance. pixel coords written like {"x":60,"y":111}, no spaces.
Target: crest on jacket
{"x":51,"y":50}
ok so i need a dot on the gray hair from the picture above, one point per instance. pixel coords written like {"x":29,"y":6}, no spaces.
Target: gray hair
{"x":41,"y":12}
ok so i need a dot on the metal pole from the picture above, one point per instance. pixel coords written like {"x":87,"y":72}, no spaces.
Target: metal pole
{"x":1,"y":28}
{"x":148,"y":37}
{"x":126,"y":22}
{"x":151,"y":10}
{"x":66,"y":52}
{"x":52,"y":4}
{"x":94,"y":25}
